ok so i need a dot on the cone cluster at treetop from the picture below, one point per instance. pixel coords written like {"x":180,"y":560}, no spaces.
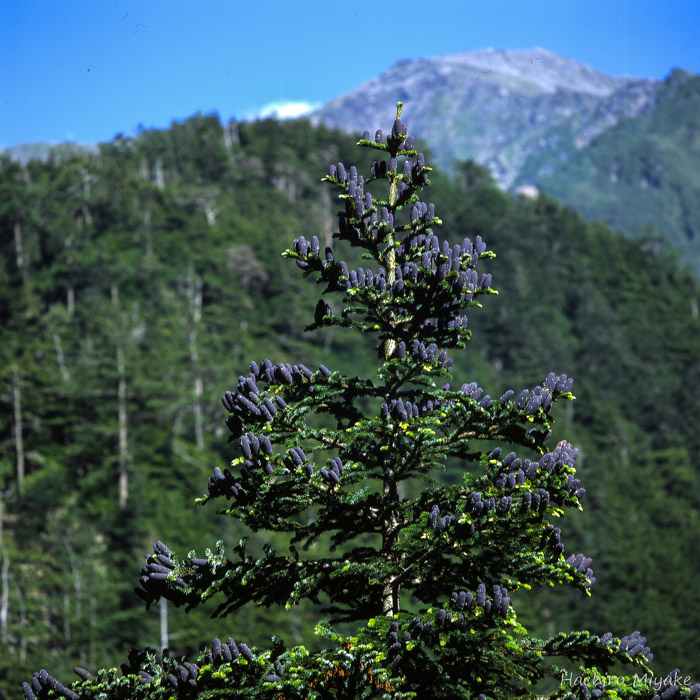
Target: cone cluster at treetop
{"x":422,"y":572}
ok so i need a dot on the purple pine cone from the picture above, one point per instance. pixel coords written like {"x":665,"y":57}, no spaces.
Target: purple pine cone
{"x":507,"y":396}
{"x":85,"y":675}
{"x":160,"y":548}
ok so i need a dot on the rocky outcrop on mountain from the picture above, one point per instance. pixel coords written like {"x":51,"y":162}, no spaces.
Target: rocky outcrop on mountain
{"x":497,"y":107}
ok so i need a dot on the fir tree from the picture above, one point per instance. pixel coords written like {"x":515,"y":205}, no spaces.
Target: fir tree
{"x":419,"y":579}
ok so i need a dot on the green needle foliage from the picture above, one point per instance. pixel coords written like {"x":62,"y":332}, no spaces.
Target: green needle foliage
{"x":415,"y":576}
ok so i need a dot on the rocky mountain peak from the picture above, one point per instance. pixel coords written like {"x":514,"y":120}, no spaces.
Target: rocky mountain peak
{"x":495,"y":106}
{"x":536,"y":71}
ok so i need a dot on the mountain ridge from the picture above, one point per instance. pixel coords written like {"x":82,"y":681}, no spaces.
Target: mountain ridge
{"x":493,"y":105}
{"x":539,"y":68}
{"x":531,"y":116}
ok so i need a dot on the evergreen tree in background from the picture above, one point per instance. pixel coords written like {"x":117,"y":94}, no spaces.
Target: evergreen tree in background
{"x":418,"y":578}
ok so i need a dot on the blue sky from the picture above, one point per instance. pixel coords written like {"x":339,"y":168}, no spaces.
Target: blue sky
{"x":85,"y":70}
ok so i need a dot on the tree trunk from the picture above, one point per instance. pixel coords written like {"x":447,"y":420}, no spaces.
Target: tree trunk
{"x":5,"y":600}
{"x":75,"y":574}
{"x":60,"y":357}
{"x":123,"y":435}
{"x":22,"y":628}
{"x":68,"y":243}
{"x":231,"y":137}
{"x":123,"y":430}
{"x":148,"y":231}
{"x":194,"y":292}
{"x":87,"y":216}
{"x":19,"y":443}
{"x":160,"y":178}
{"x":19,"y":249}
{"x":78,"y":596}
{"x":390,"y":593}
{"x":198,"y":391}
{"x":163,"y":623}
{"x":66,"y":616}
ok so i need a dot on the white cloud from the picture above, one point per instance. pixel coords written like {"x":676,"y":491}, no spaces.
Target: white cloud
{"x":284,"y":109}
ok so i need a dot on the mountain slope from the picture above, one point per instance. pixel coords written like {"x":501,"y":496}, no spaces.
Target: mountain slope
{"x":494,"y":106}
{"x":623,"y":150}
{"x":642,"y":170}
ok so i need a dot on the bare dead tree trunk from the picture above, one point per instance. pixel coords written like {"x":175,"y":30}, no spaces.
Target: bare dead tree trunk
{"x":210,"y":211}
{"x":198,"y":391}
{"x":194,"y":292}
{"x":5,"y":600}
{"x":231,"y":137}
{"x":77,"y":588}
{"x":66,"y":616}
{"x":19,"y":248}
{"x":148,"y":231}
{"x":60,"y":357}
{"x":87,"y":216}
{"x":163,"y":623}
{"x":23,"y":628}
{"x":123,"y":429}
{"x":19,"y":443}
{"x":160,"y":178}
{"x":68,"y":243}
{"x":123,"y":436}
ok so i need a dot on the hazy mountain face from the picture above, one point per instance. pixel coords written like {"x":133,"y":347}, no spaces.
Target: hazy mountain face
{"x":609,"y":147}
{"x":497,"y":107}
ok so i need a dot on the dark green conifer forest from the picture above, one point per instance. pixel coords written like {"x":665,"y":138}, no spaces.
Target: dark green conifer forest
{"x":137,"y":284}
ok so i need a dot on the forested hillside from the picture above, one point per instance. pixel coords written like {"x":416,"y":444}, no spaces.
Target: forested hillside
{"x":640,"y":171}
{"x":137,"y":283}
